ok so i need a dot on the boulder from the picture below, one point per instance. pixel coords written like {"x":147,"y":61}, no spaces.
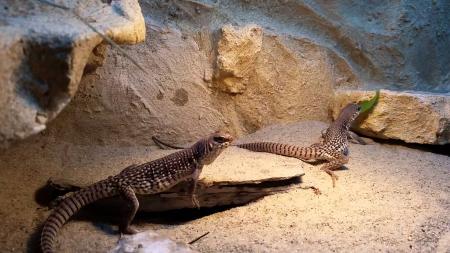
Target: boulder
{"x":237,"y":50}
{"x":44,"y":50}
{"x":413,"y":117}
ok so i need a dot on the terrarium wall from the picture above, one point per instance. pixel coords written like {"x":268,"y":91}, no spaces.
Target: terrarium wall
{"x":242,"y":65}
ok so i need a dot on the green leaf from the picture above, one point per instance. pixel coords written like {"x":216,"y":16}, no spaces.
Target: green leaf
{"x":368,"y":104}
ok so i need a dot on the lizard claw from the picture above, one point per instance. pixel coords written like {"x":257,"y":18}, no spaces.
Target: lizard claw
{"x":316,"y":190}
{"x":195,"y":202}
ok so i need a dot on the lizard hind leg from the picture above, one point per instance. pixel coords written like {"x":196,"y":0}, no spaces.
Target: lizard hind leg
{"x":330,"y":172}
{"x":333,"y":165}
{"x":129,"y":196}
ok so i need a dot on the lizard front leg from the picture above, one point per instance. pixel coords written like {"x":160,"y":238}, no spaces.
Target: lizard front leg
{"x":355,"y":138}
{"x":133,"y":204}
{"x":193,"y":188}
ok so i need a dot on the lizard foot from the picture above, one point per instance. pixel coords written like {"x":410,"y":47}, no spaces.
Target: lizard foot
{"x":128,"y":231}
{"x":54,"y":203}
{"x":315,"y":189}
{"x":355,"y":138}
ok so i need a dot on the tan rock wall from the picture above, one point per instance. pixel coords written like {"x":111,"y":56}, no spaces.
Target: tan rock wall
{"x":242,"y":65}
{"x":198,"y":84}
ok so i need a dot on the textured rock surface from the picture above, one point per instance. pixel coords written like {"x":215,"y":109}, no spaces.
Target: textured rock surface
{"x":237,"y":51}
{"x":44,"y":51}
{"x":243,"y":65}
{"x":200,"y":78}
{"x":414,"y":117}
{"x":180,"y":100}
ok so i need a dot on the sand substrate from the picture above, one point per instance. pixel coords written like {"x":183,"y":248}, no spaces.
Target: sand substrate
{"x":391,"y":198}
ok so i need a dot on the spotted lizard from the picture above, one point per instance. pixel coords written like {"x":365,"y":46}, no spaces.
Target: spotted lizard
{"x":148,"y":178}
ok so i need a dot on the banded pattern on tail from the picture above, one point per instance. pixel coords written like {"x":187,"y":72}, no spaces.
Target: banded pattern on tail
{"x":333,"y":148}
{"x":68,"y":207}
{"x":302,"y":153}
{"x":148,"y":178}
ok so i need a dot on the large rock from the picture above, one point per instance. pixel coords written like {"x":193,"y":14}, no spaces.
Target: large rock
{"x":44,"y":51}
{"x":414,"y":117}
{"x":182,"y":98}
{"x":237,"y":50}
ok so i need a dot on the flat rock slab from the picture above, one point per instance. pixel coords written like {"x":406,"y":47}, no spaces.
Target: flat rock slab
{"x":238,"y":176}
{"x":413,"y":117}
{"x":150,"y":242}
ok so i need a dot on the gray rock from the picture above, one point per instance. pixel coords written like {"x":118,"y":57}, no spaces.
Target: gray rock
{"x":414,"y":117}
{"x":44,"y":51}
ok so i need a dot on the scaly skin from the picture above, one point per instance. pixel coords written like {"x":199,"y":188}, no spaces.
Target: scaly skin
{"x":148,"y":178}
{"x":333,"y":148}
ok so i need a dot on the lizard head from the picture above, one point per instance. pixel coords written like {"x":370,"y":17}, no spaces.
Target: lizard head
{"x":209,"y":148}
{"x":348,"y":114}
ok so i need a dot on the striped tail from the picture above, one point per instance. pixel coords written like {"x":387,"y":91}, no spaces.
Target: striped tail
{"x":302,"y":153}
{"x":68,"y":207}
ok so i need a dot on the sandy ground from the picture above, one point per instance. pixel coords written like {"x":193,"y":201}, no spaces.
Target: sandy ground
{"x":390,"y":199}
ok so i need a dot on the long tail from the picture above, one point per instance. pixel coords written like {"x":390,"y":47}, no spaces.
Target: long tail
{"x":302,"y":153}
{"x":68,"y":207}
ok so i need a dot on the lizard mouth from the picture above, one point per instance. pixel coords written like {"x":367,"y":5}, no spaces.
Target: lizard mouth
{"x":220,"y":139}
{"x":224,"y":139}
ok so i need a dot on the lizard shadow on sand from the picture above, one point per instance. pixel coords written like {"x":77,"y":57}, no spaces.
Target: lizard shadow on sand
{"x":106,"y":219}
{"x":437,"y":149}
